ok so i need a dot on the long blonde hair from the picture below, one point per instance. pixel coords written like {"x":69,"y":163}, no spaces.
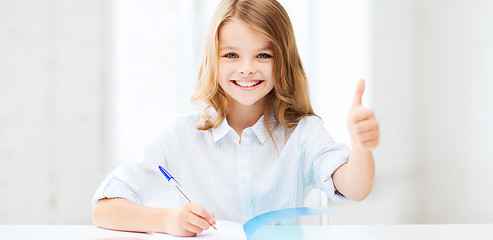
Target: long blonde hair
{"x":288,"y":101}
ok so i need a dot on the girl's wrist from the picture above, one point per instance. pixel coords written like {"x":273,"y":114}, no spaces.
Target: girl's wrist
{"x":160,"y":222}
{"x":359,"y":154}
{"x":358,"y":149}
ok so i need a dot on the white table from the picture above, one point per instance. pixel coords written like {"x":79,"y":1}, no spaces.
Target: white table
{"x":346,"y":232}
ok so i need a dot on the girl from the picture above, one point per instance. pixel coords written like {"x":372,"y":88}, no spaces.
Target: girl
{"x":258,"y":146}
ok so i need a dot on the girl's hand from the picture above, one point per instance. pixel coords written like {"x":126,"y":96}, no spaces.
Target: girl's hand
{"x":188,"y":220}
{"x":362,"y":124}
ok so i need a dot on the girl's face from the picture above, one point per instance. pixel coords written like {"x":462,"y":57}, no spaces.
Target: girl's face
{"x":246,"y":66}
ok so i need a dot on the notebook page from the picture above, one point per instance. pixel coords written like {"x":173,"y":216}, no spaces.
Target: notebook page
{"x":226,"y":230}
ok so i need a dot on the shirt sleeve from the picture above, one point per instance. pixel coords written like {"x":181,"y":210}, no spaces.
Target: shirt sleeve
{"x":136,"y":181}
{"x":322,"y":157}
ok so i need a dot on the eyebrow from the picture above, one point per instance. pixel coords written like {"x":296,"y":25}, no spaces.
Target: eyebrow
{"x":233,"y":48}
{"x":265,"y":48}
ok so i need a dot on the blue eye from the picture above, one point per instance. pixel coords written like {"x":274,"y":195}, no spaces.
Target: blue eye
{"x":231,"y":55}
{"x":264,"y":55}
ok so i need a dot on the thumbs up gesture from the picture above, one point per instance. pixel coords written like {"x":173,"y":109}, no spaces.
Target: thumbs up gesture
{"x":362,"y":124}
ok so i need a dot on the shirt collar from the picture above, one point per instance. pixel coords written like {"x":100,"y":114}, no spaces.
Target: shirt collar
{"x":221,"y":130}
{"x":258,"y":129}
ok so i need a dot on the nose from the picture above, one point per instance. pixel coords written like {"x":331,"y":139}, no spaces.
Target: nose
{"x":246,"y":68}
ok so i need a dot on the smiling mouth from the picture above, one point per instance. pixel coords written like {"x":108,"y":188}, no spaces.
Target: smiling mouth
{"x":247,"y":83}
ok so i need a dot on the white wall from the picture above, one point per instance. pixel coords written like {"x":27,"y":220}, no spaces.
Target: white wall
{"x":394,"y":85}
{"x":52,"y":79}
{"x":456,"y":108}
{"x":432,"y":74}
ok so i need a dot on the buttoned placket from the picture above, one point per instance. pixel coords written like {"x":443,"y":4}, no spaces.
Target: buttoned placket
{"x":244,"y":173}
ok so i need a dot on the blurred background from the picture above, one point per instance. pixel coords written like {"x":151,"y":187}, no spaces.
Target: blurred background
{"x":85,"y":85}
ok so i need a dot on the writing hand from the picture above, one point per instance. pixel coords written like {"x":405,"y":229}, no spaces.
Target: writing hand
{"x":188,"y":220}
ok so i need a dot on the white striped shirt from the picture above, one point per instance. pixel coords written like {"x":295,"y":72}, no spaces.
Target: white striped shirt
{"x":235,"y":181}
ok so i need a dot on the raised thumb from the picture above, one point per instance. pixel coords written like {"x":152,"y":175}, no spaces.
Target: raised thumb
{"x":360,"y":88}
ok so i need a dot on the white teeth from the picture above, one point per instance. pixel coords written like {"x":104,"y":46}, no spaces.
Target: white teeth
{"x":247,"y":83}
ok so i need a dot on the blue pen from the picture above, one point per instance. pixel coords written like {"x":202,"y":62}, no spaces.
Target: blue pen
{"x":172,"y":180}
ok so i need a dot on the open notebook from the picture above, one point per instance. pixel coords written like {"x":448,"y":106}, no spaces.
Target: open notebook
{"x":233,"y":230}
{"x":225,"y":230}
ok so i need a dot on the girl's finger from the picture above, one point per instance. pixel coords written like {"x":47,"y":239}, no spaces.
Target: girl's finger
{"x":368,"y":136}
{"x":361,"y":114}
{"x":370,"y":144}
{"x":191,"y":227}
{"x":213,"y":218}
{"x":199,"y":211}
{"x":199,"y":222}
{"x":366,"y":126}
